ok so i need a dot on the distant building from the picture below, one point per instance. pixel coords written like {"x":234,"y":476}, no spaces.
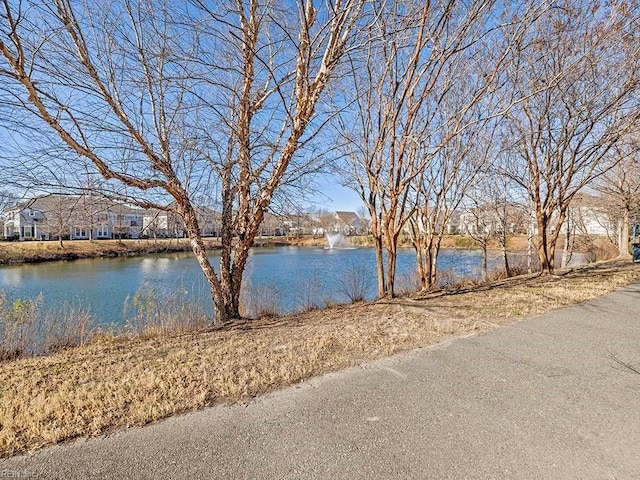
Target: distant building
{"x":451,"y":227}
{"x":162,"y":224}
{"x":71,"y":217}
{"x":587,"y":215}
{"x":24,"y":222}
{"x":209,"y":221}
{"x":119,"y":221}
{"x":272,"y":226}
{"x":326,"y":222}
{"x":296,"y":223}
{"x":347,"y":223}
{"x":489,"y":218}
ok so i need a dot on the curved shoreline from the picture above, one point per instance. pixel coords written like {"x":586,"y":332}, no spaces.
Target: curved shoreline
{"x":16,"y":253}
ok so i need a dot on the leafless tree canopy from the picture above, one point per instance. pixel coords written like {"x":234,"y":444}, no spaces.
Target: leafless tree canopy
{"x":226,"y":103}
{"x":620,"y":189}
{"x":172,"y":102}
{"x":424,"y":87}
{"x":581,"y":67}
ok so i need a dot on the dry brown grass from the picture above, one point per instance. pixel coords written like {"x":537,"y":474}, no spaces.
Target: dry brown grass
{"x":118,"y":382}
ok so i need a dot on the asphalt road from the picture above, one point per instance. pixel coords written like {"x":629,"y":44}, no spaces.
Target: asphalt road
{"x":545,"y":398}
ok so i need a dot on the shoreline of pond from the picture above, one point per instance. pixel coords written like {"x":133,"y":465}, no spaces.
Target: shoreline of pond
{"x":37,"y":251}
{"x":33,"y":252}
{"x":47,"y":251}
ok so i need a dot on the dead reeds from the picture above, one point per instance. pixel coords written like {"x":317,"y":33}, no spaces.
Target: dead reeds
{"x":26,"y":329}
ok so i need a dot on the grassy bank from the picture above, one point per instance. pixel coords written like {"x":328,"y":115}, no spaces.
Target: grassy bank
{"x":116,"y":382}
{"x":43,"y":251}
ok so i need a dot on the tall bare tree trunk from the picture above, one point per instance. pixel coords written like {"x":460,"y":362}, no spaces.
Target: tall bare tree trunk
{"x":431,"y":249}
{"x":416,"y":241}
{"x":530,"y":234}
{"x":545,"y":253}
{"x":222,"y":311}
{"x":392,"y":256}
{"x":380,"y":266}
{"x":505,"y":256}
{"x":623,"y":243}
{"x":566,"y":249}
{"x":433,"y":269}
{"x":420,"y":270}
{"x":485,"y":273}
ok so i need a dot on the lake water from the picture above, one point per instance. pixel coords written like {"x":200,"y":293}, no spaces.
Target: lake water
{"x":290,"y":274}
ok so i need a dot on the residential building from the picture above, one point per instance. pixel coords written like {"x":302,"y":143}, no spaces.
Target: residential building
{"x":119,"y":221}
{"x":489,"y":219}
{"x":347,"y":223}
{"x":209,"y":221}
{"x":298,"y":223}
{"x":588,"y":215}
{"x":451,"y":227}
{"x":71,"y":217}
{"x":272,"y":226}
{"x":24,"y":222}
{"x":162,"y":224}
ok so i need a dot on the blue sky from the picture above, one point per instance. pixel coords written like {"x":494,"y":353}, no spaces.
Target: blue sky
{"x":335,"y":196}
{"x":341,"y":198}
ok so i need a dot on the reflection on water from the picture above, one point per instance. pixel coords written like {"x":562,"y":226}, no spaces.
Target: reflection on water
{"x":102,"y":285}
{"x":151,"y":264}
{"x":13,"y":277}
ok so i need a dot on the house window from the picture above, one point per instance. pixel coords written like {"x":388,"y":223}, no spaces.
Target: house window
{"x":102,"y":231}
{"x":80,"y":232}
{"x":27,"y":232}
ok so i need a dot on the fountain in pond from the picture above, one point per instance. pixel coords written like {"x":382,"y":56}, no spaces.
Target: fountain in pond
{"x":334,"y":239}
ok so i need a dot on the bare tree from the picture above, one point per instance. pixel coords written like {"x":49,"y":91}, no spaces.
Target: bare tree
{"x":620,"y":188}
{"x":484,"y":222}
{"x":414,"y":64}
{"x":510,"y":211}
{"x":365,"y":221}
{"x":89,"y":207}
{"x":440,"y":189}
{"x":7,"y":199}
{"x":59,"y":212}
{"x":171,"y":102}
{"x":502,"y":206}
{"x":581,"y":64}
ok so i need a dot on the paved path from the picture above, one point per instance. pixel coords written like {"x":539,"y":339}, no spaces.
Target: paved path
{"x":544,"y":398}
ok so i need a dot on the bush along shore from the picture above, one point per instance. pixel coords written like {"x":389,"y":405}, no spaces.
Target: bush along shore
{"x":168,"y":360}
